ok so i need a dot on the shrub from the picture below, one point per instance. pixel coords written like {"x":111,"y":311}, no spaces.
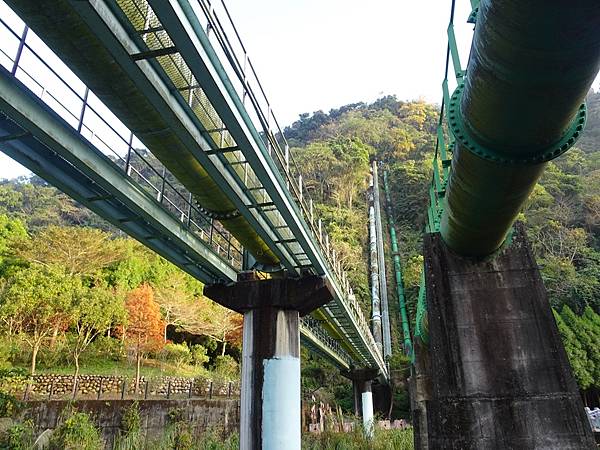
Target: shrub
{"x":227,"y":367}
{"x":104,"y":348}
{"x":177,"y":354}
{"x":199,"y":356}
{"x":20,"y":436}
{"x":76,"y":432}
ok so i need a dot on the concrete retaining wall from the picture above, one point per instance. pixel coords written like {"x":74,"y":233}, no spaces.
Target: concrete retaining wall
{"x":200,"y":413}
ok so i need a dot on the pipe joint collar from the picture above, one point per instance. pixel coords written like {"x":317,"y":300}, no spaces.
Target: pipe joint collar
{"x":466,"y":138}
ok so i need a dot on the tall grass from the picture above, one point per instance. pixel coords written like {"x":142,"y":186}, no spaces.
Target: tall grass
{"x":356,"y":440}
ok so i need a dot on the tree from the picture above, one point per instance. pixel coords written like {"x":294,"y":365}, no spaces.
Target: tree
{"x":80,"y":250}
{"x":144,"y":330}
{"x":95,"y":310}
{"x":576,"y":353}
{"x":588,"y":340}
{"x":217,"y":322}
{"x":36,"y":301}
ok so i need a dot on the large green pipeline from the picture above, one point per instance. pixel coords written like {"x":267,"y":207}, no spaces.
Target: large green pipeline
{"x":530,"y":68}
{"x":61,"y":28}
{"x":397,"y":269}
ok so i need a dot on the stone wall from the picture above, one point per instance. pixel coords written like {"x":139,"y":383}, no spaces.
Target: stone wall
{"x":200,"y":413}
{"x":48,"y":386}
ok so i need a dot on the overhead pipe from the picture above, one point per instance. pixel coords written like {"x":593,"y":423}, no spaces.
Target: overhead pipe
{"x":518,"y":107}
{"x":397,"y":269}
{"x":383,"y":289}
{"x":374,"y":268}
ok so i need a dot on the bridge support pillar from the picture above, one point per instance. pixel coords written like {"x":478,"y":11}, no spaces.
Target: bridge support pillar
{"x":498,"y":373}
{"x":270,"y":411}
{"x":363,"y":395}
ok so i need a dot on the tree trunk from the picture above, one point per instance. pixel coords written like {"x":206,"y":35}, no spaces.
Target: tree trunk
{"x":138,"y":360}
{"x":54,"y":337}
{"x":223,"y":349}
{"x":35,"y":349}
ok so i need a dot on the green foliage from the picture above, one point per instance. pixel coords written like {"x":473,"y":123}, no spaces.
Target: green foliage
{"x":20,"y":436}
{"x":177,"y":354}
{"x":77,"y":431}
{"x":227,"y":367}
{"x":199,"y":355}
{"x":356,"y":440}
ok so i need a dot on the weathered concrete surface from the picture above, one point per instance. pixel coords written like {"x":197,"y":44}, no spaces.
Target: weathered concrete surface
{"x":499,"y":375}
{"x":107,"y":414}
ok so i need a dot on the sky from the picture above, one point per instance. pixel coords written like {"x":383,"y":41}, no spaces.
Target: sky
{"x":320,"y":54}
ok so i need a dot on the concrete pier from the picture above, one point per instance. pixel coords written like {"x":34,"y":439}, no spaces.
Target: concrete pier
{"x":270,"y":410}
{"x":498,"y":376}
{"x":362,"y":380}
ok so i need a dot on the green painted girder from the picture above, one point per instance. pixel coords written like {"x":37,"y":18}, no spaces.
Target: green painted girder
{"x":58,"y":153}
{"x":146,"y":77}
{"x":178,"y":17}
{"x":40,"y":140}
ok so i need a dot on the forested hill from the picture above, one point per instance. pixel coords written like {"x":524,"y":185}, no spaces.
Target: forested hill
{"x":562,"y":216}
{"x":334,"y":150}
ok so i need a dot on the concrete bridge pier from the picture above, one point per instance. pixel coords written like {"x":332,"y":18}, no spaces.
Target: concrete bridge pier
{"x":497,"y":375}
{"x":270,"y":411}
{"x":362,"y":380}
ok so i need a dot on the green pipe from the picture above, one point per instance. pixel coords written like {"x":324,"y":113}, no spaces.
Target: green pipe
{"x":397,"y":269}
{"x":530,"y":68}
{"x":63,"y":30}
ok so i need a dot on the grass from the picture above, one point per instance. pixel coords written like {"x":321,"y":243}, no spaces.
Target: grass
{"x":150,"y":368}
{"x":382,"y":440}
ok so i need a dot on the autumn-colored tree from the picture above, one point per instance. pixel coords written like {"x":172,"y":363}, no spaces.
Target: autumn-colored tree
{"x":145,"y":327}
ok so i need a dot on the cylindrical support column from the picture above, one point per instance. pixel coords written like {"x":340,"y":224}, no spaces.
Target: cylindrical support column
{"x":367,"y":408}
{"x":270,"y":416}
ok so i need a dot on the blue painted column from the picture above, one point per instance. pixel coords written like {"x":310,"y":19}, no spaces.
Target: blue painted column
{"x":270,"y":400}
{"x":270,"y":410}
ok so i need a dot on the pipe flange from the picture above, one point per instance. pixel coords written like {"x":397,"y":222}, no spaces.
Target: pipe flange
{"x":219,"y":215}
{"x":465,"y":137}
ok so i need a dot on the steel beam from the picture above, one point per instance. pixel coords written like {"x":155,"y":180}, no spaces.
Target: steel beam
{"x":56,"y":152}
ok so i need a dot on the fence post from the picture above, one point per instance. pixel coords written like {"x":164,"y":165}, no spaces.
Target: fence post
{"x":146,"y":390}
{"x":123,"y":389}
{"x":51,"y":389}
{"x":26,"y":393}
{"x":210,"y":390}
{"x":169,"y":390}
{"x":100,"y":388}
{"x":191,"y":390}
{"x":229,"y":390}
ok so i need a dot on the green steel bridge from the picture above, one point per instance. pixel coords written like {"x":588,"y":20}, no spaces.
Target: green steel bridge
{"x":150,"y":113}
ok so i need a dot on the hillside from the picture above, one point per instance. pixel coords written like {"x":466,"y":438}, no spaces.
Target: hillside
{"x":334,"y":149}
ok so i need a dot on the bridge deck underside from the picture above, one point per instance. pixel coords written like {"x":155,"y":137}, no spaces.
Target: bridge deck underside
{"x":267,"y":206}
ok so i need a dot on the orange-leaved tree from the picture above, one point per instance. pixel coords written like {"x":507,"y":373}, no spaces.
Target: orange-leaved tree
{"x":145,"y":327}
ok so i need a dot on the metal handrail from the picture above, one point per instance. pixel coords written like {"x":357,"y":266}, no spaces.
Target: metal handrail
{"x":233,"y":253}
{"x":291,"y":172}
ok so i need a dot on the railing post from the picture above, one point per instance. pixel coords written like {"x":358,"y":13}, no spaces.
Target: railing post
{"x":146,"y":389}
{"x":169,"y":390}
{"x":123,"y":389}
{"x":128,"y":160}
{"x":99,"y":389}
{"x":19,"y":51}
{"x":83,"y":108}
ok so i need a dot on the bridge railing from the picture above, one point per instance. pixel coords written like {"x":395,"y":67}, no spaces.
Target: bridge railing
{"x":241,"y":71}
{"x":316,"y":328}
{"x":442,"y":159}
{"x":30,"y":61}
